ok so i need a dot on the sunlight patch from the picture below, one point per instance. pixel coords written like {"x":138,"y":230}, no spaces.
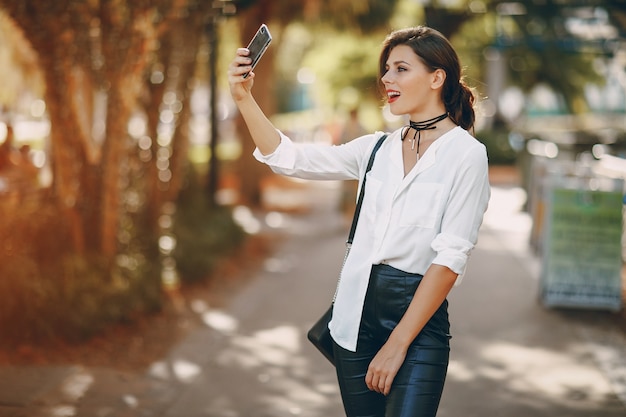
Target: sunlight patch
{"x":286,"y":337}
{"x":459,"y":371}
{"x":275,"y":265}
{"x":277,"y":346}
{"x":63,"y":411}
{"x":220,"y":321}
{"x":535,"y":369}
{"x":77,"y":385}
{"x":178,"y":369}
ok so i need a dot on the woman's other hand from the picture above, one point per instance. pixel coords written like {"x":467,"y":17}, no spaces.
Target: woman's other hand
{"x":384,"y":367}
{"x":240,"y":87}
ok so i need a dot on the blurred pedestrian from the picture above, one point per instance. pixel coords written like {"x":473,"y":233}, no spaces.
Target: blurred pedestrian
{"x":29,"y":173}
{"x":425,"y":197}
{"x":352,"y":127}
{"x":8,"y":155}
{"x":9,"y":171}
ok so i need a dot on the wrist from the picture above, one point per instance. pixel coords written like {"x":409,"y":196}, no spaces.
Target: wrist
{"x":244,"y":100}
{"x":400,"y":339}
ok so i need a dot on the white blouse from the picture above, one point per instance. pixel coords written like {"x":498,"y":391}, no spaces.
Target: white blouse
{"x":430,"y":216}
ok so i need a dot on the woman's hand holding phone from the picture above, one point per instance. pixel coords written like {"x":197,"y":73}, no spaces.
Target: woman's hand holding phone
{"x":241,"y":79}
{"x":239,"y":86}
{"x":245,"y":61}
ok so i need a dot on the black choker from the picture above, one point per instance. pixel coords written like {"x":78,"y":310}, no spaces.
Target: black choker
{"x":419,"y":126}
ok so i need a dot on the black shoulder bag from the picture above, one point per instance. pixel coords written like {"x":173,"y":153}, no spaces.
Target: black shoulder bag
{"x":319,"y":334}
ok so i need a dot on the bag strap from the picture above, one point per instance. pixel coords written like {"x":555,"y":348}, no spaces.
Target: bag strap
{"x":357,"y":210}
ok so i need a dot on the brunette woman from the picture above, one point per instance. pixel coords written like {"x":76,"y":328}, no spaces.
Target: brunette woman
{"x":425,"y":197}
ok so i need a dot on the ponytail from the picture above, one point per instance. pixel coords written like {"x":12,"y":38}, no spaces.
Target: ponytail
{"x":459,"y":101}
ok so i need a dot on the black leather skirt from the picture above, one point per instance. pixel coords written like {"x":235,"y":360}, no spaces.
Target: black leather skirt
{"x":417,"y":388}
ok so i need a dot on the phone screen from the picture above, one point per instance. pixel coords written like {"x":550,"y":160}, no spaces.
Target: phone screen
{"x":258,"y":45}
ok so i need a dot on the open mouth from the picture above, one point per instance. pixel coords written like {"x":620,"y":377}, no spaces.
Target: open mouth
{"x":392,"y":95}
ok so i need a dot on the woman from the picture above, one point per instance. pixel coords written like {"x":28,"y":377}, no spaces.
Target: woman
{"x":425,"y":197}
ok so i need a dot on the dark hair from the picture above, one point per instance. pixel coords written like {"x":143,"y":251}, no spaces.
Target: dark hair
{"x":436,"y":52}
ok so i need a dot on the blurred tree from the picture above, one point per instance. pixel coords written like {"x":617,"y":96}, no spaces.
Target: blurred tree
{"x":536,"y":39}
{"x":542,"y":47}
{"x":170,"y":81}
{"x":446,"y":20}
{"x":97,"y":56}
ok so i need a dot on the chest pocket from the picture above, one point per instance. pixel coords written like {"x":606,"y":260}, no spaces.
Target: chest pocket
{"x":422,"y":205}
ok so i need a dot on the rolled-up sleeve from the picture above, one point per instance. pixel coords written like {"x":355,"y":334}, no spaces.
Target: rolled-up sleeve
{"x":464,"y":212}
{"x":284,"y":156}
{"x":452,"y":252}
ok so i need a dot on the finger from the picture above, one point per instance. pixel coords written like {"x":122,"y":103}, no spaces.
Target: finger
{"x":239,"y":62}
{"x":382,"y":386}
{"x":379,"y":384}
{"x":249,"y":76}
{"x":374,"y":383}
{"x":242,"y":60}
{"x":368,"y":381}
{"x":386,"y":389}
{"x":237,"y":71}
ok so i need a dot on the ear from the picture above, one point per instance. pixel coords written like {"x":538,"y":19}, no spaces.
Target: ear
{"x":438,"y":78}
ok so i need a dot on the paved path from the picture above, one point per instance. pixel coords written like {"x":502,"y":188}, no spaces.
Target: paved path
{"x":511,"y":357}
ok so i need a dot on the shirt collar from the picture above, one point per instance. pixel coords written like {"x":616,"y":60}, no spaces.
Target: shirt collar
{"x":426,"y":161}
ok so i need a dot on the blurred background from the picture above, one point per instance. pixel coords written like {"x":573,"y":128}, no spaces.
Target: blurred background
{"x":126,"y":173}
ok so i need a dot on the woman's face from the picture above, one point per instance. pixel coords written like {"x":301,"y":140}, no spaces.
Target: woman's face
{"x":411,"y":88}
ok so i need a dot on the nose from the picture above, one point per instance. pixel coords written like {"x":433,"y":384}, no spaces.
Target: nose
{"x":388,"y":77}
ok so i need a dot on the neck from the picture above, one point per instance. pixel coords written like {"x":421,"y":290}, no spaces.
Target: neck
{"x":427,"y":124}
{"x":422,"y":125}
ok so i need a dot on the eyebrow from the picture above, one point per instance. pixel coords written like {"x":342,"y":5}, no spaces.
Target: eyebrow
{"x":400,"y":62}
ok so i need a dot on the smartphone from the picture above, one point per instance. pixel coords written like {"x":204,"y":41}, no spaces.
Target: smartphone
{"x":258,"y":45}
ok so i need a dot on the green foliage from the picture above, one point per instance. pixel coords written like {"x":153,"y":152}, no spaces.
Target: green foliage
{"x":499,"y":149}
{"x":407,"y":13}
{"x":540,"y":50}
{"x":204,"y":234}
{"x":362,"y":15}
{"x":86,"y":295}
{"x":470,"y":43}
{"x":344,"y":62}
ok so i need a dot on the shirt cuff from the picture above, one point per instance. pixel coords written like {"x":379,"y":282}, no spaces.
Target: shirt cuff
{"x":452,"y":251}
{"x":284,"y":156}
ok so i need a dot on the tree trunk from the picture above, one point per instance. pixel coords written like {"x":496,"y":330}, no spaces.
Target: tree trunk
{"x":177,"y":54}
{"x":113,"y":156}
{"x":84,"y":48}
{"x":67,"y":154}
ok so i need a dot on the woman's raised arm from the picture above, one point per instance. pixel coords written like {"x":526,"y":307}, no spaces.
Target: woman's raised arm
{"x":263,"y":132}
